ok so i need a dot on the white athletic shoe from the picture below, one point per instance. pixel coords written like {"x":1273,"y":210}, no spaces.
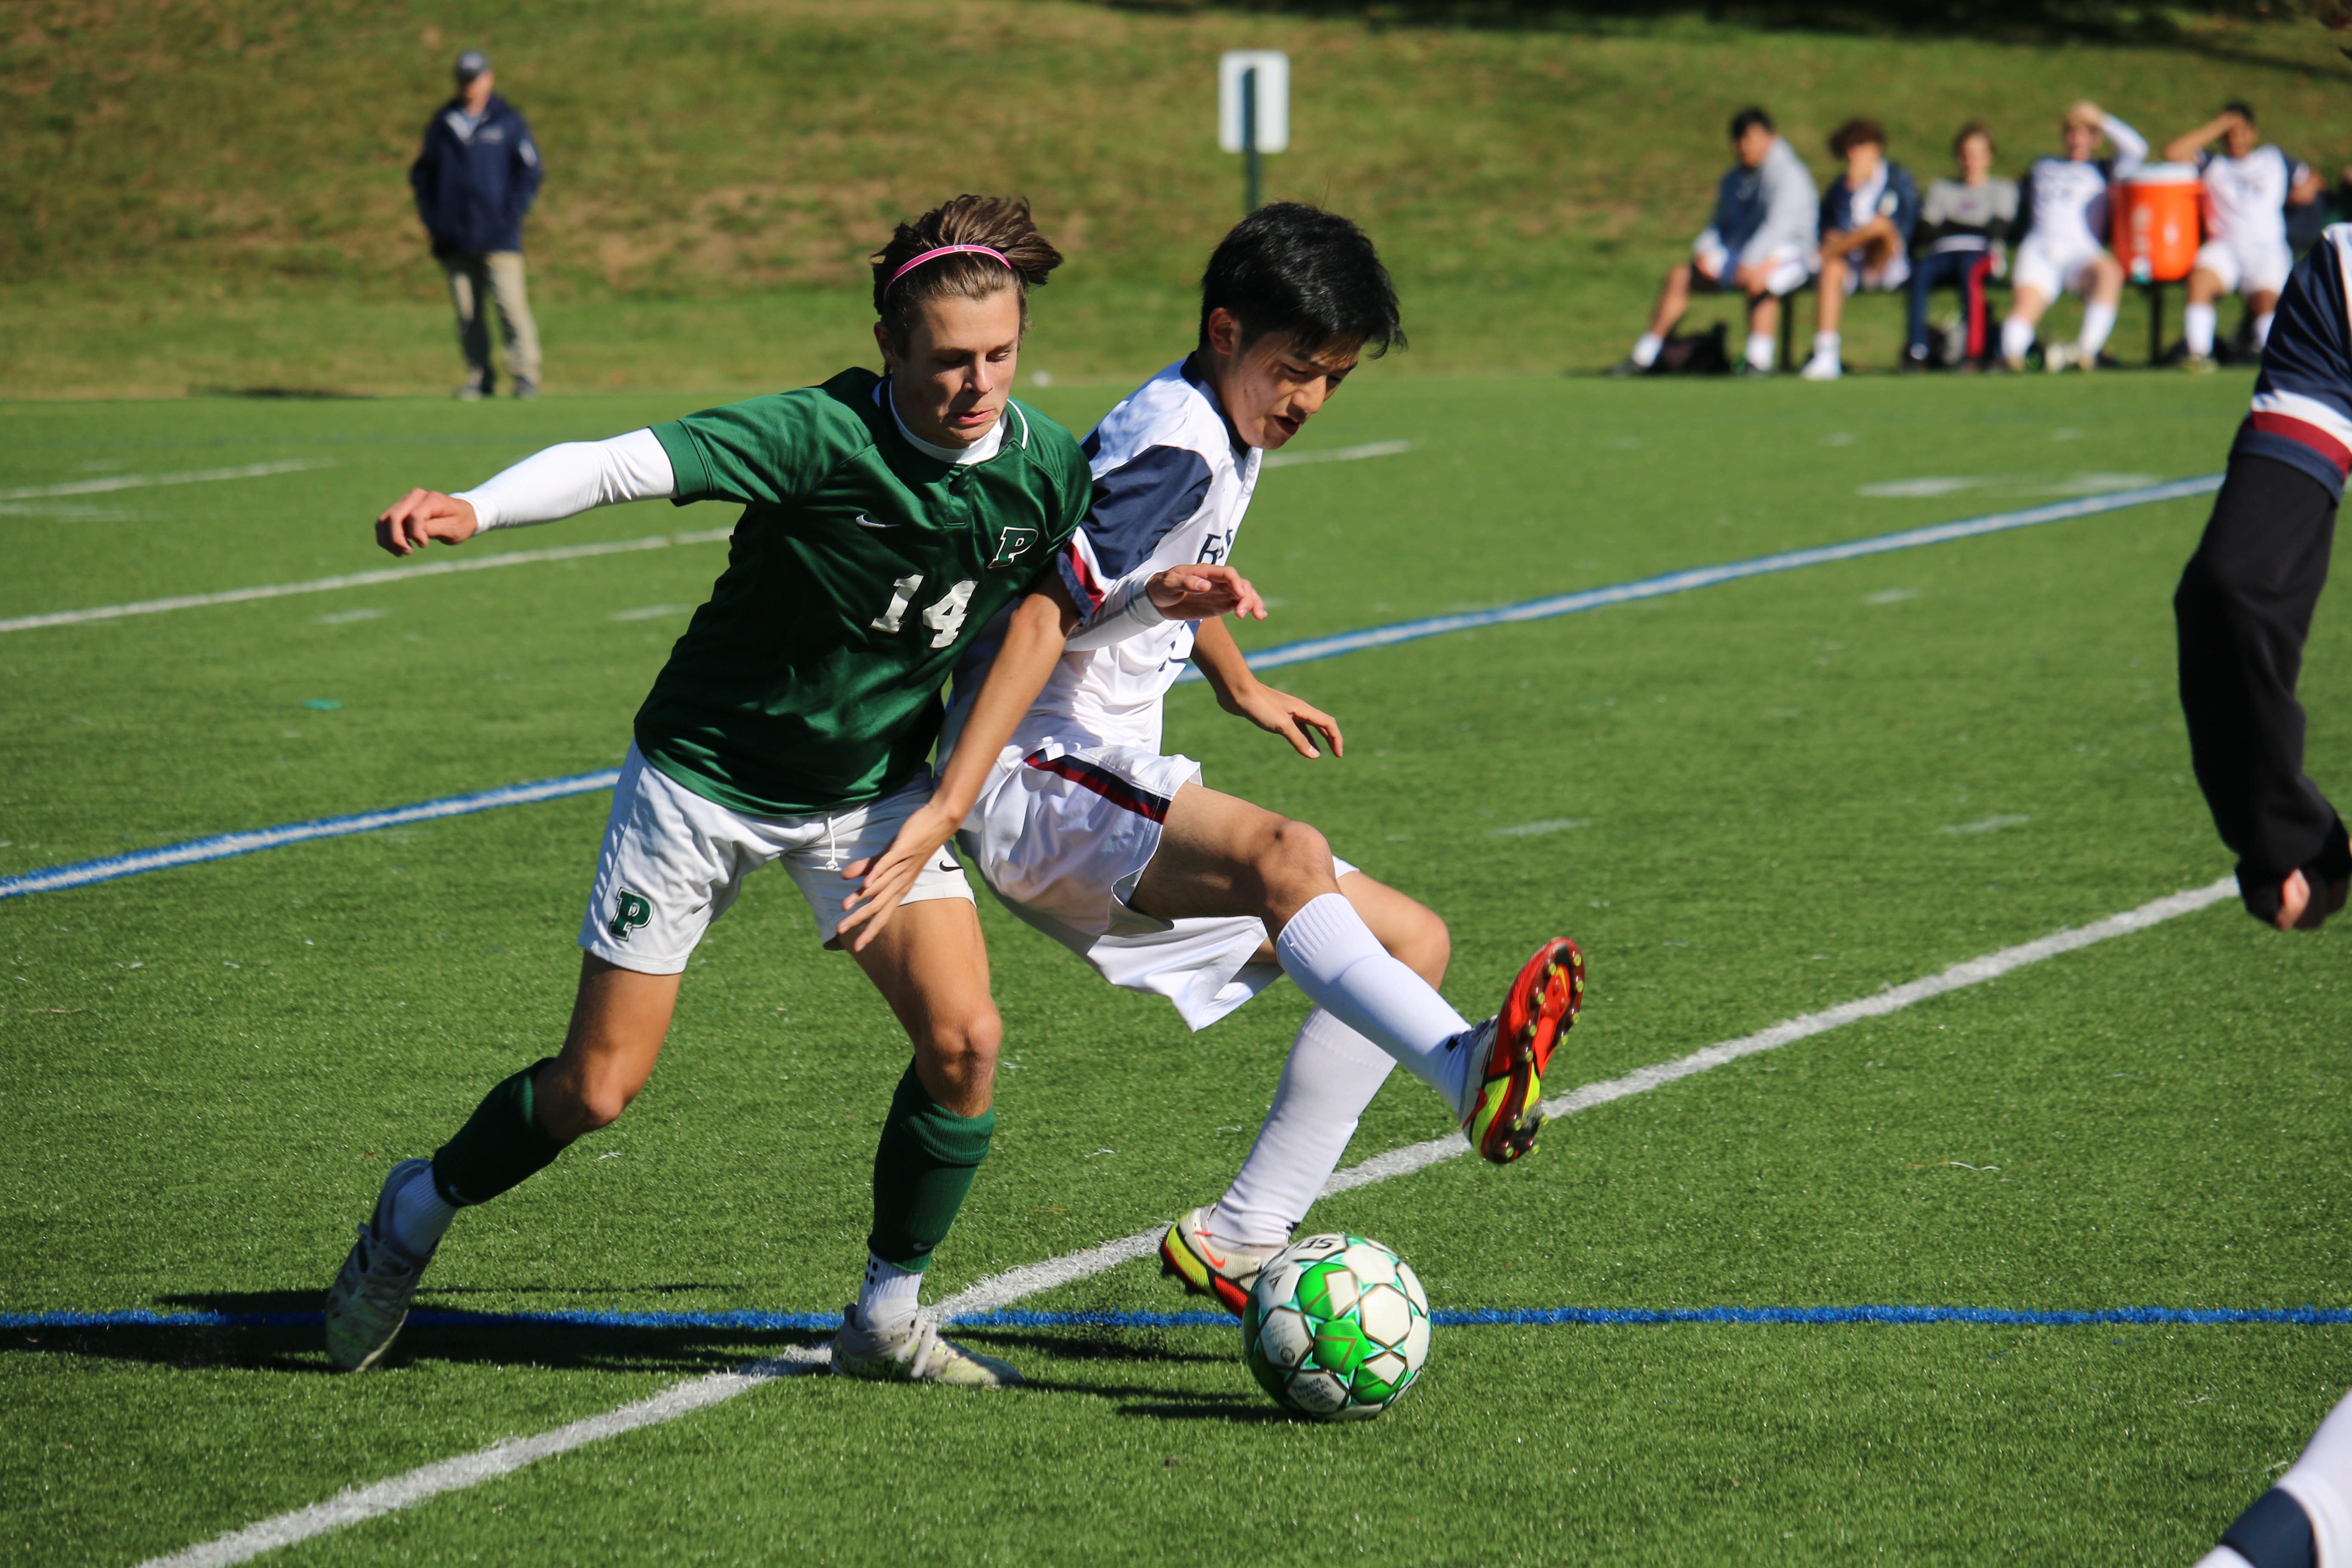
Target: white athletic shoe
{"x":914,"y":1353}
{"x":369,"y":1299}
{"x":2059,"y":356}
{"x":1822,"y":367}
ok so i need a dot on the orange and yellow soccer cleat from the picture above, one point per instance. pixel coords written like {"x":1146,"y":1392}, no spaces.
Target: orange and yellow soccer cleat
{"x":1211,"y":1265}
{"x":1505,"y":1112}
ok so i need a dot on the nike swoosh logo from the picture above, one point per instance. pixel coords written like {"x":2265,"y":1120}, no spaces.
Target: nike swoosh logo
{"x":866,"y":522}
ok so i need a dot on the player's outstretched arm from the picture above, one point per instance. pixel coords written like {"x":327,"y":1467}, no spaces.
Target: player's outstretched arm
{"x":1196,"y":592}
{"x":559,"y":482}
{"x":1024,"y":661}
{"x":1242,"y":693}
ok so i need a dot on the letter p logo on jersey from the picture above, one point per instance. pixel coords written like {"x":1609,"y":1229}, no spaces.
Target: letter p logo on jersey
{"x":630,"y":910}
{"x":1012,"y":545}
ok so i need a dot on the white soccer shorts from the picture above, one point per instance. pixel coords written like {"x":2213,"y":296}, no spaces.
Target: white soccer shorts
{"x":1886,"y":280}
{"x":2050,"y":271}
{"x":673,"y":861}
{"x":2259,"y":269}
{"x":1061,"y":835}
{"x":1717,"y":267}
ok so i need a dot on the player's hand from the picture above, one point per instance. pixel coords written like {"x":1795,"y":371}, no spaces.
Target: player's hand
{"x":420,"y":517}
{"x":886,"y":878}
{"x":2299,"y":910}
{"x":1204,"y":593}
{"x":1280,"y":713}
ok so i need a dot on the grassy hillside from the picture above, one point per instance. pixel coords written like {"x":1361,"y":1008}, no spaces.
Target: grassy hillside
{"x":214,"y":193}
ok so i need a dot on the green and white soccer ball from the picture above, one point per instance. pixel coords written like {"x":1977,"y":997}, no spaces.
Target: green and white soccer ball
{"x":1336,"y":1328}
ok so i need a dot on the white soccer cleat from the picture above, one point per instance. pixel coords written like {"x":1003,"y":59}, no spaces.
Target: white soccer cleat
{"x":2058,"y":356}
{"x":369,"y":1299}
{"x":914,"y":1353}
{"x":1822,"y":367}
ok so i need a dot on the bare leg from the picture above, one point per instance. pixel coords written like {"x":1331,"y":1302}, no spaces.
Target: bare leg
{"x":1673,"y":300}
{"x":1833,"y":290}
{"x":619,"y":1019}
{"x":931,"y":967}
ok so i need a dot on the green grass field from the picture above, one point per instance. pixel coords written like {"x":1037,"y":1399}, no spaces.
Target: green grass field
{"x":212,"y":1067}
{"x":215,"y":196}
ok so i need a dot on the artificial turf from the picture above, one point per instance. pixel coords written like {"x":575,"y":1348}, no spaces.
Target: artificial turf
{"x":213,"y":1066}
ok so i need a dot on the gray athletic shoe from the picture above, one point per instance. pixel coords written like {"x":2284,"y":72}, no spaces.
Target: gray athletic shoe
{"x":369,"y":1299}
{"x":915,"y":1354}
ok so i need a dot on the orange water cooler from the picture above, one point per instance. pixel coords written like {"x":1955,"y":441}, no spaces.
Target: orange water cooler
{"x":2156,"y":214}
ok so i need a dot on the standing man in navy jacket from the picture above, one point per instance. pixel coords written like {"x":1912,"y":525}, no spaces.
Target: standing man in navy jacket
{"x":474,"y":182}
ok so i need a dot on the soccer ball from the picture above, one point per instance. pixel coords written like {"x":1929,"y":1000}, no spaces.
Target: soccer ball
{"x":1336,"y":1328}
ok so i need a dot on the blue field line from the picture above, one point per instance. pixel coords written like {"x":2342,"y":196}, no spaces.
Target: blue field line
{"x":1708,"y":576}
{"x":56,"y":878}
{"x":222,"y":846}
{"x":1457,"y":1318}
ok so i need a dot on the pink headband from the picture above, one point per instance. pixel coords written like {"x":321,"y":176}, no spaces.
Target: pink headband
{"x":946,"y":250}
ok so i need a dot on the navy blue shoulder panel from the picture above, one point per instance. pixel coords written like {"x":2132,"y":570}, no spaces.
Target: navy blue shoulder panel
{"x":1137,"y":502}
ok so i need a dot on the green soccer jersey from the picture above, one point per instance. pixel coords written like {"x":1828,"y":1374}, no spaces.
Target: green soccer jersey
{"x":861,"y":568}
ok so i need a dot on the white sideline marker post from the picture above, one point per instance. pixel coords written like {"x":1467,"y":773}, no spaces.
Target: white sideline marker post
{"x":1253,"y":112}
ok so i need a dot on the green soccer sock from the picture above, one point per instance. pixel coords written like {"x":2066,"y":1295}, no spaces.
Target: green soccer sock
{"x":500,"y":1144}
{"x":923,"y":1169}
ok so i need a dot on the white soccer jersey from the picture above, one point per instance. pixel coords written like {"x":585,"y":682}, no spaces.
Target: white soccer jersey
{"x":2069,"y":199}
{"x":2247,"y":197}
{"x":1171,"y":481}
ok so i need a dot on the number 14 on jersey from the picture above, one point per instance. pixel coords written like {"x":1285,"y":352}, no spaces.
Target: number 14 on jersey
{"x":945,"y":619}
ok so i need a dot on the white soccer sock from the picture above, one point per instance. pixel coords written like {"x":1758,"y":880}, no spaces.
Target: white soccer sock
{"x":2197,"y":327}
{"x":1646,"y":349}
{"x":887,"y":1300}
{"x":2263,"y":331}
{"x":2098,"y":321}
{"x":1332,"y":1074}
{"x":1759,"y":350}
{"x":1826,"y":345}
{"x":420,"y":1214}
{"x":2016,"y":337}
{"x":1335,"y":958}
{"x":2322,"y":1482}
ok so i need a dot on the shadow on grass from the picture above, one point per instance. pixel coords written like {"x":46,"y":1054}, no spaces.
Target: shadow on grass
{"x":296,"y":1347}
{"x":294,"y":393}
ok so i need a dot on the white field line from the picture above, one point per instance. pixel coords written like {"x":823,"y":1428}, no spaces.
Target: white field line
{"x":142,"y":481}
{"x":1002,"y":1289}
{"x":365,"y":579}
{"x":1335,"y":454}
{"x":437,"y":568}
{"x":485,"y":1464}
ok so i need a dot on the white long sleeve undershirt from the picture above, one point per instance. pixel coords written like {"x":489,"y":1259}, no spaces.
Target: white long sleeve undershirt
{"x":567,"y":479}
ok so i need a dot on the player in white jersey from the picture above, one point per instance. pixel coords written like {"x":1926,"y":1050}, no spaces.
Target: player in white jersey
{"x":1094,"y":837}
{"x":2065,"y":243}
{"x":2248,"y":186}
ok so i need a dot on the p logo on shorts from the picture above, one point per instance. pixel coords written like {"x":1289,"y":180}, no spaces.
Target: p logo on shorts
{"x":630,"y":910}
{"x":1012,"y":545}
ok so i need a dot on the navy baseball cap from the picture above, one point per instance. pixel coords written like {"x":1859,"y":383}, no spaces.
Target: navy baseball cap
{"x":471,"y":64}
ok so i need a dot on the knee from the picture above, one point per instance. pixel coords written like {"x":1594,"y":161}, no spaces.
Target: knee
{"x":572,"y":1105}
{"x":1679,"y":277}
{"x":1293,"y":861}
{"x":964,"y":1049}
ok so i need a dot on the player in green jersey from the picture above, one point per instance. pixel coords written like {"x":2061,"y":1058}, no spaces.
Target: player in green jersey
{"x":887,"y":520}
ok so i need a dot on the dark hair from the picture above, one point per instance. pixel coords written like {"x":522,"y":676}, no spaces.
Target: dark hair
{"x":1747,"y":117}
{"x":1290,"y":267}
{"x":1001,"y":222}
{"x":1854,"y":133}
{"x":2239,"y":107}
{"x":1974,"y":128}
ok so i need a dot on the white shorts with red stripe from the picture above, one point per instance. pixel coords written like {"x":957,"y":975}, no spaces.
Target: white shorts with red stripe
{"x":1061,"y":835}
